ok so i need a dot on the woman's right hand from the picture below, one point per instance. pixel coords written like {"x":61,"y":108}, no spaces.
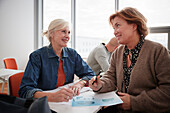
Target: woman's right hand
{"x":95,"y":85}
{"x":63,"y":95}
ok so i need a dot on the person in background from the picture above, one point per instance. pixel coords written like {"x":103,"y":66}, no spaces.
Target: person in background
{"x":139,"y":69}
{"x":99,"y":57}
{"x":53,"y":66}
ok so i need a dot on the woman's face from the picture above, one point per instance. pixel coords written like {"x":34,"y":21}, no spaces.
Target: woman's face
{"x":61,"y":37}
{"x":122,"y":30}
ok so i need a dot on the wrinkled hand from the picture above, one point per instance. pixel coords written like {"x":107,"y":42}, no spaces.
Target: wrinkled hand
{"x":97,"y":85}
{"x":62,"y":95}
{"x":126,"y":101}
{"x":76,"y":89}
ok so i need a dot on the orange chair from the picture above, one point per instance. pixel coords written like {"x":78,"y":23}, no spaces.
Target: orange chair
{"x":3,"y":94}
{"x":10,"y":63}
{"x":14,"y":83}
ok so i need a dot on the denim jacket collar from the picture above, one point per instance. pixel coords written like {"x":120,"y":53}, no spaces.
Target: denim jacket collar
{"x":52,"y":54}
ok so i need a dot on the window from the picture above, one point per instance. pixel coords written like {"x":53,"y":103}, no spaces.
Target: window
{"x":92,"y":25}
{"x":89,"y":20}
{"x":156,"y":11}
{"x":55,"y":9}
{"x":159,"y":37}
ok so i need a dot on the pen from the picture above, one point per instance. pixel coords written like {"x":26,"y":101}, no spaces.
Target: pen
{"x":96,"y":76}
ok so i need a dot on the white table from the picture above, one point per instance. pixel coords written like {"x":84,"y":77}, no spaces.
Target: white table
{"x":67,"y":108}
{"x":6,"y":73}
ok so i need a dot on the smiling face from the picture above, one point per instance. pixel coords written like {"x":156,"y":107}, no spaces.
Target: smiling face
{"x":123,"y":31}
{"x":60,"y":37}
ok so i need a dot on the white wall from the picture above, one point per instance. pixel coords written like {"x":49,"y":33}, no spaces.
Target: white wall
{"x":16,"y":30}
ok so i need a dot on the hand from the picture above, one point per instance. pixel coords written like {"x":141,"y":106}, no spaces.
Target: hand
{"x":76,"y":89}
{"x":97,"y":85}
{"x":62,"y":95}
{"x":115,"y":42}
{"x":126,"y":101}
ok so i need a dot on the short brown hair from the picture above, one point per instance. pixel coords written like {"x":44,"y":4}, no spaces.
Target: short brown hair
{"x":132,"y":15}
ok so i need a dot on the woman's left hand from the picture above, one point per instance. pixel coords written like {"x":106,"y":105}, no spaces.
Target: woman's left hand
{"x":126,"y":101}
{"x":77,"y":87}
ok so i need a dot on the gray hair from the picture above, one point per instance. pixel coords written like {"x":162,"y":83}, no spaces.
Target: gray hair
{"x":55,"y":25}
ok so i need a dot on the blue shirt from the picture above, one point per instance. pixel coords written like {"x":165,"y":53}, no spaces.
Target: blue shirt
{"x":41,"y":72}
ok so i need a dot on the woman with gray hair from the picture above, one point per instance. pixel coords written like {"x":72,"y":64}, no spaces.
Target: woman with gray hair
{"x":53,"y":66}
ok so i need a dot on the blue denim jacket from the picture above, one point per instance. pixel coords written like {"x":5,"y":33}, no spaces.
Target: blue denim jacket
{"x":41,"y":72}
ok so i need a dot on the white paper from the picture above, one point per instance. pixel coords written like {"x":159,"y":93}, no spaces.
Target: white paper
{"x":83,"y":90}
{"x":96,"y":99}
{"x":89,"y":98}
